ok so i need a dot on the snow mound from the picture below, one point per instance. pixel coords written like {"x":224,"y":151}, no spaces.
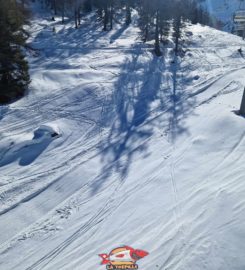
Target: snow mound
{"x":27,"y":151}
{"x":47,"y":130}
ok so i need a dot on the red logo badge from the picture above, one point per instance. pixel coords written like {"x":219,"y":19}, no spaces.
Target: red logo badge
{"x":123,"y":258}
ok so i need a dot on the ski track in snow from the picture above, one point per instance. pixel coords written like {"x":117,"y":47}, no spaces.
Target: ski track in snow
{"x":134,"y":164}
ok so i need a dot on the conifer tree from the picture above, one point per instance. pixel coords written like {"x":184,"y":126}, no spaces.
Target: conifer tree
{"x":14,"y":77}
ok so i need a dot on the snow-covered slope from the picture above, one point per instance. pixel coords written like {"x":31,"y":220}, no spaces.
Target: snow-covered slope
{"x":150,"y":152}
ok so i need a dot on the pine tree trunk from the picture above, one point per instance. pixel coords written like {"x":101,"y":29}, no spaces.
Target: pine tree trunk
{"x":177,"y":34}
{"x":79,"y":15}
{"x":63,"y":11}
{"x":157,"y":42}
{"x":75,"y":16}
{"x":146,"y":32}
{"x":111,"y":15}
{"x":55,"y":7}
{"x":128,"y":14}
{"x":88,"y":5}
{"x":106,"y":17}
{"x":100,"y":12}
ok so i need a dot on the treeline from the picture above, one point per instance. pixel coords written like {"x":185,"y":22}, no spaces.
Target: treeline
{"x":106,"y":9}
{"x":157,"y":20}
{"x":14,"y":77}
{"x":157,"y":17}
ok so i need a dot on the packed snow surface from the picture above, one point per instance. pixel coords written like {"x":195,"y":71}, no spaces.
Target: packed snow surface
{"x":150,"y":152}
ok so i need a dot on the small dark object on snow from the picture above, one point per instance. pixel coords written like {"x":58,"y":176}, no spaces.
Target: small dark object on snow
{"x":242,"y":108}
{"x":241,"y":52}
{"x":53,"y":19}
{"x":55,"y":134}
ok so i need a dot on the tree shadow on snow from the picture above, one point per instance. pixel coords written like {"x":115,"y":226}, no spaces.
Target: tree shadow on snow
{"x":3,"y":111}
{"x":147,"y":93}
{"x":26,"y":152}
{"x":180,"y":103}
{"x":118,"y":33}
{"x":145,"y":96}
{"x":63,"y":42}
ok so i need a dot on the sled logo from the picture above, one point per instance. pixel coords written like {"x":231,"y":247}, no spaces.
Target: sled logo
{"x":123,"y":258}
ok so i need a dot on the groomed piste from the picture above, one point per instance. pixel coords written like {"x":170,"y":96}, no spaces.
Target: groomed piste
{"x":114,"y":146}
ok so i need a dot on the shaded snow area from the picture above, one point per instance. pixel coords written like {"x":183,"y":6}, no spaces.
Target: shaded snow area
{"x":223,"y":10}
{"x":113,"y":146}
